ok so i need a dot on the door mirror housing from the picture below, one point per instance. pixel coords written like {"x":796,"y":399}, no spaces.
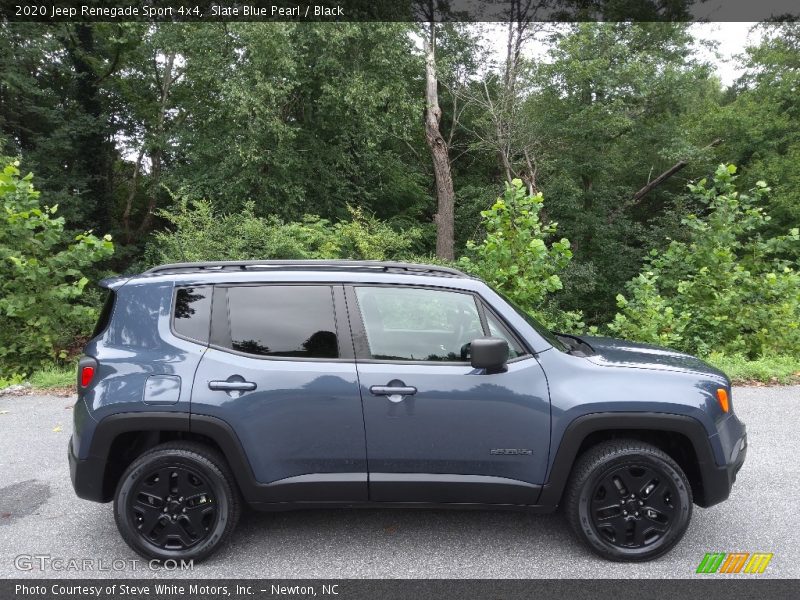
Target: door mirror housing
{"x":490,"y":353}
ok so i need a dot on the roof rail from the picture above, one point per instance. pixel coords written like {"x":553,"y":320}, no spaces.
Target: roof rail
{"x":345,"y":265}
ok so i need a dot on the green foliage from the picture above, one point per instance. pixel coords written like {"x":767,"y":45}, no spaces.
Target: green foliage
{"x":41,"y":277}
{"x":54,"y":376}
{"x":726,"y":288}
{"x":199,"y":233}
{"x":273,"y":121}
{"x":13,"y":379}
{"x":515,"y":257}
{"x":779,"y":368}
{"x":760,"y":121}
{"x":614,"y":105}
{"x":57,"y":106}
{"x":307,"y":118}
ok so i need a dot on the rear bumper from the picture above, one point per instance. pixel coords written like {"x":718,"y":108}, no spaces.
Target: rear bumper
{"x":718,"y":481}
{"x":87,"y":476}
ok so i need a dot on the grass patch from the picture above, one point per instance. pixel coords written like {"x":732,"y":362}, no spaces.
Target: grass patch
{"x":767,"y":369}
{"x":53,"y":376}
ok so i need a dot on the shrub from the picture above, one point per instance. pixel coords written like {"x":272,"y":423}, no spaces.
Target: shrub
{"x":41,"y":280}
{"x":725,"y":288}
{"x":198,"y":233}
{"x":515,"y":258}
{"x":765,"y":369}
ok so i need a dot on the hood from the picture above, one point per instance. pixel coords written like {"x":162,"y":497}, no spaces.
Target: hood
{"x":610,"y":352}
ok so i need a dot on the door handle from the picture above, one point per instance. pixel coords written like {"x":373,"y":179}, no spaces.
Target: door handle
{"x":394,"y":393}
{"x":388,"y":390}
{"x":231,"y":386}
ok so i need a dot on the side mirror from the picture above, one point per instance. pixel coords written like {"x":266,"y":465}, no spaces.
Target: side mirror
{"x":489,"y":353}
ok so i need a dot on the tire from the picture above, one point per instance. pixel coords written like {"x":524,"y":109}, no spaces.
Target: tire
{"x":177,"y":501}
{"x":616,"y":526}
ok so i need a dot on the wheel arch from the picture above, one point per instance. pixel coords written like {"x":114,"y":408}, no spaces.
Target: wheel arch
{"x":683,"y":438}
{"x":120,"y":438}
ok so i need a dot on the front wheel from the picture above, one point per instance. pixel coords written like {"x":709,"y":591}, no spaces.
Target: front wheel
{"x":628,"y":500}
{"x":177,"y":501}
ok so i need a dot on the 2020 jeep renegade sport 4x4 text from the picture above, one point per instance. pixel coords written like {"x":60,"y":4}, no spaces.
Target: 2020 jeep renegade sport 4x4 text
{"x":300,"y":384}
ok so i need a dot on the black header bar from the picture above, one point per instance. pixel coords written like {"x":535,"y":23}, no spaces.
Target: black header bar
{"x":708,"y":588}
{"x":397,"y":10}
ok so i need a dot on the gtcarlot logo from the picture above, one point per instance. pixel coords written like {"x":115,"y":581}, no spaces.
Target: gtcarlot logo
{"x":47,"y":562}
{"x":734,"y":562}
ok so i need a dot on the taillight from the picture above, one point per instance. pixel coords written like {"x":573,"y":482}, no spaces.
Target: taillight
{"x":87,"y":374}
{"x":87,"y":367}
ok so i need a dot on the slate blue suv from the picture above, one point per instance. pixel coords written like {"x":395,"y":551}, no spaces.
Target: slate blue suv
{"x":305,"y":384}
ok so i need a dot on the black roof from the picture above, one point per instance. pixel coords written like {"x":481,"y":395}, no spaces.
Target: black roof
{"x":303,"y":265}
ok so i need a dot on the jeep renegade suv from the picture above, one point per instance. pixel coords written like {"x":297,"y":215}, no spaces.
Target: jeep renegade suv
{"x":305,"y":384}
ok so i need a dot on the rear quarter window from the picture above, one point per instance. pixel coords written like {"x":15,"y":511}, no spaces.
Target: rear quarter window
{"x":105,"y":314}
{"x":191,"y":313}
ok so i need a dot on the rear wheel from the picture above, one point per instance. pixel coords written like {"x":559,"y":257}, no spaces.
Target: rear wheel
{"x":628,"y":500}
{"x":177,"y":501}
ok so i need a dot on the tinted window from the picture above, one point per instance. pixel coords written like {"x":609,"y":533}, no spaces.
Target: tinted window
{"x":283,"y":320}
{"x":105,"y":314}
{"x":497,"y":329}
{"x":193,"y":312}
{"x":418,"y":324}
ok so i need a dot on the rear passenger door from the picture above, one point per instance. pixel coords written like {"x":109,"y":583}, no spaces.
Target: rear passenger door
{"x":280,"y":370}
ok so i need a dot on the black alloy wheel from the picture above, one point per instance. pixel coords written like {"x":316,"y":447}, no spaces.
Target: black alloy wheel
{"x":178,"y":500}
{"x":633,"y":506}
{"x":628,"y":500}
{"x":173,"y":507}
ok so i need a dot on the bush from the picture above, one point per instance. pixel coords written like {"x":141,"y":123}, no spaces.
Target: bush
{"x":197,"y":233}
{"x":41,"y":280}
{"x":515,"y":259}
{"x":725,"y":288}
{"x":766,"y":369}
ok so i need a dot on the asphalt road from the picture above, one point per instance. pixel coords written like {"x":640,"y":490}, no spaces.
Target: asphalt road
{"x":40,"y":515}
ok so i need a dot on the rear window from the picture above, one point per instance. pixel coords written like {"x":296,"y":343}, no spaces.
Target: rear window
{"x":192,"y":313}
{"x":105,"y":314}
{"x":283,"y":320}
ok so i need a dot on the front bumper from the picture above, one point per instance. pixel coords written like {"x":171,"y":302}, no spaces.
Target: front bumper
{"x":87,"y":476}
{"x":718,"y":481}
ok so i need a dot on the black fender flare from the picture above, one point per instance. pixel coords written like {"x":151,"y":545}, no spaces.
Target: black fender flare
{"x":108,"y":429}
{"x":577,"y":431}
{"x":343,"y":487}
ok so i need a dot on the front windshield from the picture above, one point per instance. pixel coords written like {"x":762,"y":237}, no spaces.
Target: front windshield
{"x":541,"y":329}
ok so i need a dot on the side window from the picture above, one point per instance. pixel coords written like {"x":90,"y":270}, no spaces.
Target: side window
{"x":418,"y":324}
{"x":497,"y":329}
{"x":105,"y":314}
{"x":283,"y":320}
{"x":192,"y":312}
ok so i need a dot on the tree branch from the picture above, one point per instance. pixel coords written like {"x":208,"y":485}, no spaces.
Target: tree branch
{"x":637,"y":197}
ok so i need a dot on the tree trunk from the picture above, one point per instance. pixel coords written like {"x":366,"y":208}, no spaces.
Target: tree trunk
{"x":445,"y":220}
{"x":95,"y":151}
{"x":164,"y":84}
